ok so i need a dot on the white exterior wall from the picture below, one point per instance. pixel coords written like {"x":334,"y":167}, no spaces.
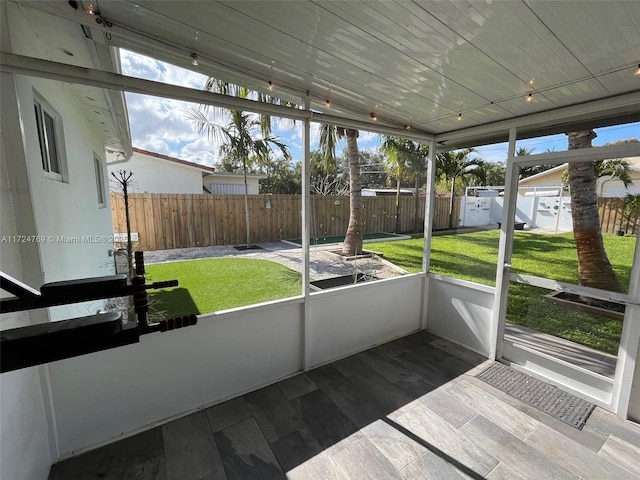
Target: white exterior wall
{"x":33,"y":205}
{"x":154,"y":175}
{"x":252,"y":182}
{"x":25,"y":451}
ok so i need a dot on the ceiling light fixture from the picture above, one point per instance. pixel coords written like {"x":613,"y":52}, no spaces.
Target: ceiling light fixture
{"x":407,"y":127}
{"x":327,"y":103}
{"x":271,"y":87}
{"x":373,"y":117}
{"x":459,"y":117}
{"x":91,"y":10}
{"x":194,"y":59}
{"x":530,"y":98}
{"x":637,"y":74}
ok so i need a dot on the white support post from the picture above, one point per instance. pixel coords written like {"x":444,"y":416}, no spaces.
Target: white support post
{"x":306,"y":229}
{"x":629,"y":344}
{"x":428,"y":231}
{"x":505,"y":250}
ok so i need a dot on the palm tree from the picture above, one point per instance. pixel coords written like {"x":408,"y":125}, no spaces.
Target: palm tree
{"x":242,"y":137}
{"x":594,"y":269}
{"x":329,"y":137}
{"x":405,"y":156}
{"x":457,"y":165}
{"x":391,"y":146}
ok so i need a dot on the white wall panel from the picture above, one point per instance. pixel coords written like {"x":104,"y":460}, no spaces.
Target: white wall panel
{"x":350,"y":319}
{"x":461,"y":312}
{"x":100,"y":396}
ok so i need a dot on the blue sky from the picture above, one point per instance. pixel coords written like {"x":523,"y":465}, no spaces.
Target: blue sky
{"x":161,"y":125}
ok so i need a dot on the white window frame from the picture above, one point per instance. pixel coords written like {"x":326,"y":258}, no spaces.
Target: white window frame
{"x":50,"y":139}
{"x":100,"y":184}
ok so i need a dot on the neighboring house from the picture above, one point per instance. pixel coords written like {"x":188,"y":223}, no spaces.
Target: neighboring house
{"x":232,"y":183}
{"x":544,"y":182}
{"x":158,"y":173}
{"x":54,"y":204}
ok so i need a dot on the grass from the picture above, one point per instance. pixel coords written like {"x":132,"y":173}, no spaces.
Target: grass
{"x":215,"y":284}
{"x":220,"y":283}
{"x":473,"y":256}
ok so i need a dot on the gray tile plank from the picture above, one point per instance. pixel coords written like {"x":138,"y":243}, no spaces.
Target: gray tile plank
{"x":360,"y":408}
{"x":295,"y":449}
{"x":362,"y":460}
{"x":503,"y":472}
{"x":416,"y":386}
{"x":390,"y":349}
{"x":509,"y":418}
{"x":399,"y":449}
{"x":296,"y":386}
{"x":190,"y":451}
{"x":387,"y":395}
{"x":443,"y":439}
{"x":605,"y":423}
{"x":512,"y":451}
{"x":325,"y":420}
{"x":622,"y":453}
{"x":456,"y":350}
{"x":389,"y":367}
{"x":229,"y":413}
{"x":582,"y":461}
{"x":590,"y":439}
{"x":275,"y":415}
{"x":449,"y":408}
{"x":245,"y":453}
{"x":320,"y":467}
{"x":140,"y":457}
{"x":431,"y":467}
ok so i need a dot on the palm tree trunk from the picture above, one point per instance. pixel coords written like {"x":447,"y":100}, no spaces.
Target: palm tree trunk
{"x":246,"y":204}
{"x":398,"y":205}
{"x":416,"y":204}
{"x":353,"y":238}
{"x":594,"y":269}
{"x":451,"y":202}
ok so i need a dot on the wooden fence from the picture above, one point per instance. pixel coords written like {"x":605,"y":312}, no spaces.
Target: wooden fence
{"x":165,"y":221}
{"x":613,"y":217}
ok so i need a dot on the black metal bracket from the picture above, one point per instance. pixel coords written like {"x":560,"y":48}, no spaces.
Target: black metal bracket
{"x":37,"y":344}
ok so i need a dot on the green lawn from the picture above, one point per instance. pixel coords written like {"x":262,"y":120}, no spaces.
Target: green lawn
{"x":211,"y":285}
{"x":473,"y":256}
{"x":214,"y":284}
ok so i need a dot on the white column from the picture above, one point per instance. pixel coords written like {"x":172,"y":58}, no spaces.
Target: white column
{"x":505,"y":250}
{"x":629,"y":343}
{"x":306,"y":228}
{"x":428,"y":229}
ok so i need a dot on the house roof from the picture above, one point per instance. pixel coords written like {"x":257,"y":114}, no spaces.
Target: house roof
{"x":204,"y":168}
{"x":634,"y":166}
{"x":238,"y":175}
{"x":546,"y":173}
{"x":459,"y":72}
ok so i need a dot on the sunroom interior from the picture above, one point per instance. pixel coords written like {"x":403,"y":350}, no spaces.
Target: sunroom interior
{"x":448,"y":74}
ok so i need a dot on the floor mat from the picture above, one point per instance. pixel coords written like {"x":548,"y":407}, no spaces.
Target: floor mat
{"x":543,"y":396}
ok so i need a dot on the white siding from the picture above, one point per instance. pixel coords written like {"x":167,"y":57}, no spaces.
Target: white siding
{"x":155,"y":175}
{"x":224,"y":182}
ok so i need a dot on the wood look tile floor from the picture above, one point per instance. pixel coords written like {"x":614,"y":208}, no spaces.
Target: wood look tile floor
{"x":408,"y":409}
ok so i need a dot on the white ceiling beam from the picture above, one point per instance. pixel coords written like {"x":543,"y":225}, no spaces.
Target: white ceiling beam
{"x":618,"y":105}
{"x":37,"y":67}
{"x":592,"y":154}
